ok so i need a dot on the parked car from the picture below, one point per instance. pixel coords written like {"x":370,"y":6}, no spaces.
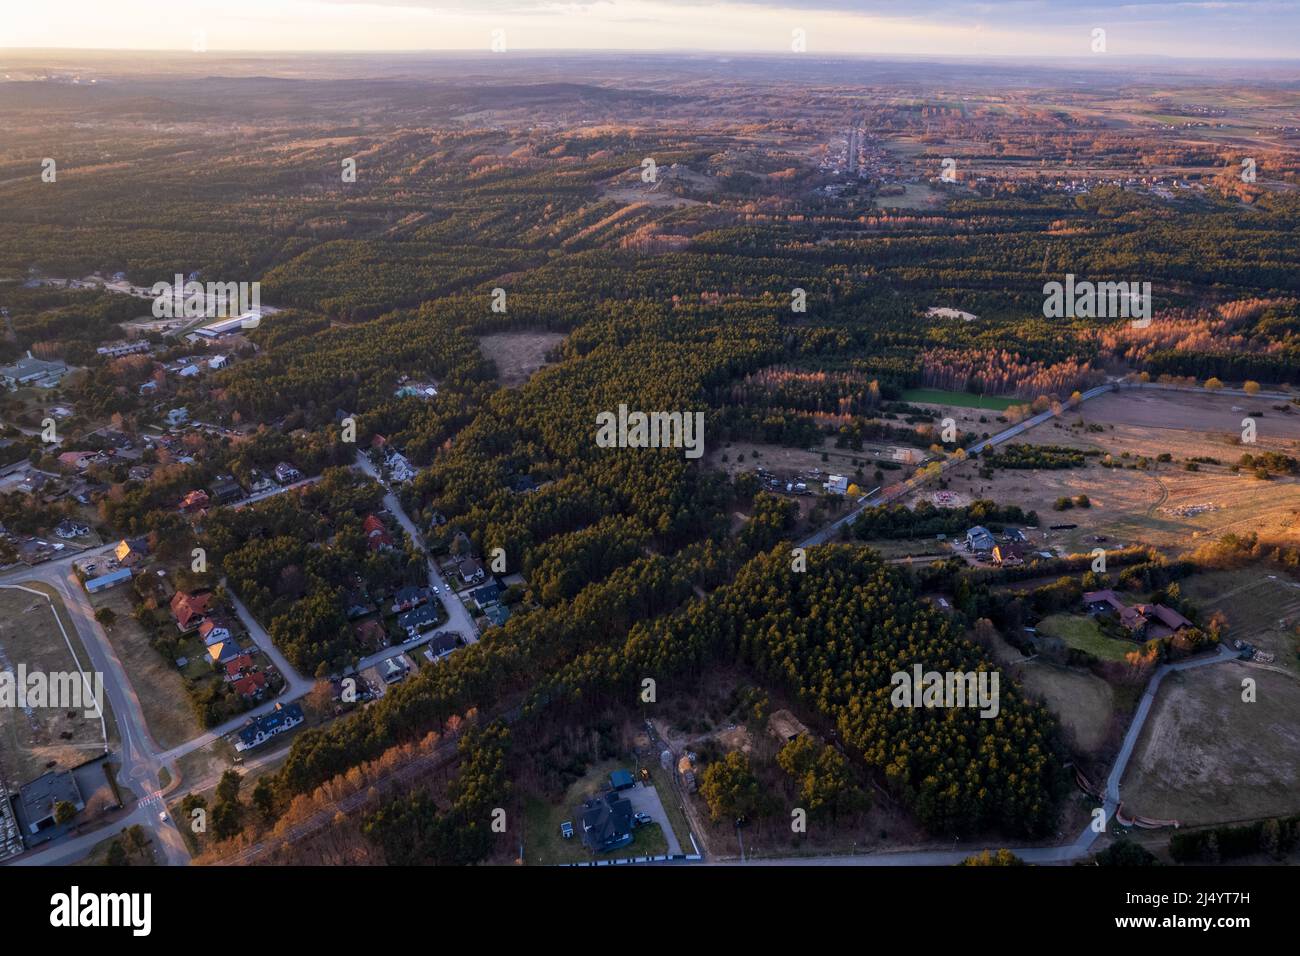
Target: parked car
{"x":641,"y":818}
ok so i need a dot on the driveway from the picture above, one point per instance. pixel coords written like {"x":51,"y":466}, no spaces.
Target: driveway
{"x":646,"y":800}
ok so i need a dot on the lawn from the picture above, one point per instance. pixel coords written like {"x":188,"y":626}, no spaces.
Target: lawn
{"x":543,"y":844}
{"x":936,"y":396}
{"x":156,"y":682}
{"x":1081,"y":632}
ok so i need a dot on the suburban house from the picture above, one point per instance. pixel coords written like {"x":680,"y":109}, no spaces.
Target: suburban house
{"x":836,"y":485}
{"x":259,"y":484}
{"x":409,"y":597}
{"x":195,"y":502}
{"x":399,"y":468}
{"x":979,"y":540}
{"x":286,"y":474}
{"x":1142,"y":621}
{"x":259,"y":730}
{"x":130,"y":553}
{"x":441,"y":644}
{"x":85,"y":491}
{"x":607,"y":822}
{"x":224,"y":489}
{"x":496,"y":614}
{"x":76,"y":460}
{"x":355,"y":605}
{"x":213,"y":631}
{"x":190,"y":610}
{"x":371,"y":634}
{"x":393,"y":669}
{"x":250,"y":685}
{"x":70,"y":528}
{"x":419,"y":620}
{"x":377,"y":536}
{"x":177,"y":417}
{"x":470,"y":570}
{"x":488,"y":594}
{"x":1008,"y":555}
{"x":236,"y":668}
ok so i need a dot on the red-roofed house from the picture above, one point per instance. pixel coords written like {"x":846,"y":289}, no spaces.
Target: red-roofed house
{"x":377,"y":536}
{"x":194,"y":501}
{"x":190,"y":610}
{"x":250,"y":685}
{"x":236,"y":668}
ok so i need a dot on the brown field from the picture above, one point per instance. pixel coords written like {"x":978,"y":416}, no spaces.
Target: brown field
{"x":786,"y":462}
{"x":1149,"y":506}
{"x":1082,"y":702}
{"x":31,"y":741}
{"x":1206,"y":756}
{"x":1261,"y":607}
{"x":156,"y":682}
{"x":518,"y":354}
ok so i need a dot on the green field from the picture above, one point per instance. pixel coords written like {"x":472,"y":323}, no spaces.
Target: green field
{"x":1082,"y":633}
{"x":937,"y":396}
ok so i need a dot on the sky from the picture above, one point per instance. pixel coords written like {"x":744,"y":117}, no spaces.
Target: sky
{"x":1235,"y":29}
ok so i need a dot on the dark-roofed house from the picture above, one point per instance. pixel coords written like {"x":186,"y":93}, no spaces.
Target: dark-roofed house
{"x":416,"y":622}
{"x":621,"y":780}
{"x":496,"y":614}
{"x":607,"y":822}
{"x":259,"y":730}
{"x":1143,"y":621}
{"x":1008,"y":555}
{"x":442,"y":643}
{"x":40,"y":798}
{"x":979,"y":539}
{"x":224,"y":489}
{"x":1162,"y":621}
{"x":355,"y":605}
{"x":470,"y":570}
{"x":487,"y":594}
{"x":409,"y":597}
{"x":131,"y":551}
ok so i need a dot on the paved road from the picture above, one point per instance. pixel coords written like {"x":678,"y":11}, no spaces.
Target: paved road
{"x":831,"y":531}
{"x":138,"y":754}
{"x":458,"y":618}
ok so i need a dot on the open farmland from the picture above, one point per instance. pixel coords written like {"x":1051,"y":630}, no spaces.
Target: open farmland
{"x":1262,"y":609}
{"x":1158,"y":503}
{"x":1206,"y":756}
